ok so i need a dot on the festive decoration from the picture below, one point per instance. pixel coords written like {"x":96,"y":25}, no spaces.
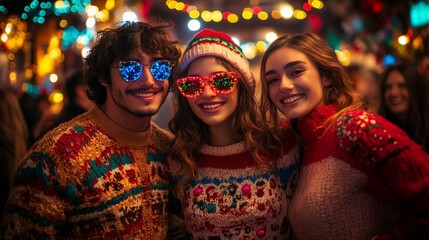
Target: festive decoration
{"x":132,"y":70}
{"x":220,"y":83}
{"x":367,"y":30}
{"x":37,"y":11}
{"x":213,"y":43}
{"x":247,"y":13}
{"x":14,"y":33}
{"x":161,"y":70}
{"x":71,"y":36}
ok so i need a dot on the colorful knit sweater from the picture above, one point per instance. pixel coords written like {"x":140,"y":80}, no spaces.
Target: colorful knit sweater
{"x":91,"y":179}
{"x":363,"y":178}
{"x":232,"y":199}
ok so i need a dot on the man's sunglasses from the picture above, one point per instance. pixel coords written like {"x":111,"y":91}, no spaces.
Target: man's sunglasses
{"x":220,"y":83}
{"x":132,"y":70}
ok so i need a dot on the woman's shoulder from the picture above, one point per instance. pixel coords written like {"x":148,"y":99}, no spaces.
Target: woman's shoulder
{"x":369,"y":136}
{"x":161,"y":137}
{"x":359,"y":121}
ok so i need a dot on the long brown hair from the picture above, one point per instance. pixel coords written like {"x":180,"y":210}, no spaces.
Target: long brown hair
{"x":13,"y":132}
{"x":340,"y":91}
{"x":191,"y":133}
{"x":416,"y":124}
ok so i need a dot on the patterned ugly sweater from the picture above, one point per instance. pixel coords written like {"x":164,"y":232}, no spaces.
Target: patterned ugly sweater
{"x":363,"y":178}
{"x":91,"y":179}
{"x":232,"y":199}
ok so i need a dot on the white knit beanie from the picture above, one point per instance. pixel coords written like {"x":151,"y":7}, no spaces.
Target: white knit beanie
{"x":212,"y":43}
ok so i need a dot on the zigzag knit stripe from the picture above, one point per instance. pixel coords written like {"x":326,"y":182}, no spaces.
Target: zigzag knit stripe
{"x":114,"y":201}
{"x":23,"y":213}
{"x":211,"y":40}
{"x":239,"y":179}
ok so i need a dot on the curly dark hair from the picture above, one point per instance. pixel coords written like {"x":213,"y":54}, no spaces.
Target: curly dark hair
{"x":116,"y":44}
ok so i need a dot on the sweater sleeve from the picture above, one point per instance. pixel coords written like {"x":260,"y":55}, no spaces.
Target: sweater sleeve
{"x":176,"y":226}
{"x":36,"y":206}
{"x":397,"y":168}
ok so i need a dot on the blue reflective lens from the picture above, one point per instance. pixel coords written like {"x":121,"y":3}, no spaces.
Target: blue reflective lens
{"x":161,"y":70}
{"x":132,"y":70}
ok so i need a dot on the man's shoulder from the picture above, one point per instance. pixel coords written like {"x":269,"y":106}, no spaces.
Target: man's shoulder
{"x":160,"y":132}
{"x":160,"y":137}
{"x":76,"y":126}
{"x":80,"y":120}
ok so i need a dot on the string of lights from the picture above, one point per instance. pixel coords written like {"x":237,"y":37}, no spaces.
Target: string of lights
{"x":17,"y":29}
{"x":283,"y":11}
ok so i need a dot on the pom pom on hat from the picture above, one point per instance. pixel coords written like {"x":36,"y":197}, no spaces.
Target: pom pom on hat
{"x":212,"y":43}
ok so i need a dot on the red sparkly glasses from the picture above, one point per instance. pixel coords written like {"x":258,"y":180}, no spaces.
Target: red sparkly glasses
{"x":220,"y":83}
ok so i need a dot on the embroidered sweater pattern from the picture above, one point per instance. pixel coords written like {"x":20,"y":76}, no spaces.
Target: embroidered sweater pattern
{"x":232,"y":199}
{"x":89,"y":179}
{"x":360,"y":179}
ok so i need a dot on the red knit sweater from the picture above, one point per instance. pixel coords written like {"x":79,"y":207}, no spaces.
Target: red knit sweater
{"x":362,"y":178}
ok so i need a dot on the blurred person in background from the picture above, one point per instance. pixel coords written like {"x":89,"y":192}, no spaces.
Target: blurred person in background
{"x":366,"y":82}
{"x":33,"y":108}
{"x":404,"y":102}
{"x":13,"y":141}
{"x":45,"y":117}
{"x":76,"y":102}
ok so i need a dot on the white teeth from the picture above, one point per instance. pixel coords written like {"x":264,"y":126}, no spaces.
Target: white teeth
{"x":211,"y":106}
{"x":291,"y":99}
{"x":142,"y":95}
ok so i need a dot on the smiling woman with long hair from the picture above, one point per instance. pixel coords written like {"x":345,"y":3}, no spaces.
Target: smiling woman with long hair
{"x":361,"y":177}
{"x":403,"y":101}
{"x":233,"y":173}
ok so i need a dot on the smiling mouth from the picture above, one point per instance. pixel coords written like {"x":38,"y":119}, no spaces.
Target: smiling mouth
{"x":211,"y":106}
{"x":292,"y":99}
{"x":395,"y":101}
{"x":143,"y":95}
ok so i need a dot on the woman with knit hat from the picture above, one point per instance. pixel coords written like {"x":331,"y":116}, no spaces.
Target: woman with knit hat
{"x":361,"y":176}
{"x":233,"y":172}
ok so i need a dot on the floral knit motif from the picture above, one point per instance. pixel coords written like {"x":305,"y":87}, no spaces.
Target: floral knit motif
{"x":361,"y":178}
{"x":91,"y":179}
{"x":231,"y":199}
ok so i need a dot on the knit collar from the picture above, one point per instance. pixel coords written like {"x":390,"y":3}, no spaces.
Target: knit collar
{"x":232,"y":149}
{"x":309,"y":127}
{"x":122,"y":135}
